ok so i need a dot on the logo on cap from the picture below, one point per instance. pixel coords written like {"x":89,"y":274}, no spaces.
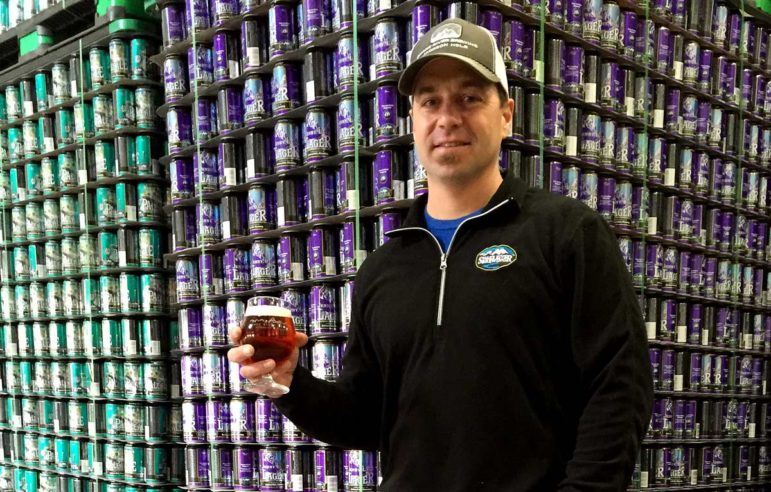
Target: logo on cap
{"x":450,"y":31}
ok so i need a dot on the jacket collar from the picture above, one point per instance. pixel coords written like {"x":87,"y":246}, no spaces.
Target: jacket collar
{"x":511,"y":188}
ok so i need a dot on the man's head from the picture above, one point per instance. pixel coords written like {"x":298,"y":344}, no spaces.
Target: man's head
{"x":460,"y":106}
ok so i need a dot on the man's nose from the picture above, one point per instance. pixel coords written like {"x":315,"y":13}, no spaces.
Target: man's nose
{"x":449,"y":115}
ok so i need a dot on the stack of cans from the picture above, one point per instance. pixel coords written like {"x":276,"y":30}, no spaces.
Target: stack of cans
{"x":85,"y":379}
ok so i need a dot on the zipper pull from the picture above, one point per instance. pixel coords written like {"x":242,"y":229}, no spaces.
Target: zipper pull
{"x":443,"y":263}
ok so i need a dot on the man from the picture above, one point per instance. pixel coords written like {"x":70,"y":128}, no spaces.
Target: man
{"x":496,"y":341}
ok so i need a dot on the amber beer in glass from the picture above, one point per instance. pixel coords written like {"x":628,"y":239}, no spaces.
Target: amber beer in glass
{"x":269,"y":329}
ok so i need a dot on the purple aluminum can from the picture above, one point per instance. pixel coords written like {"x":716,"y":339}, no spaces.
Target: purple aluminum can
{"x":694,"y":323}
{"x":245,"y":469}
{"x":387,"y":114}
{"x":268,"y":420}
{"x":214,"y":370}
{"x":317,"y":135}
{"x":256,"y":99}
{"x":625,"y":140}
{"x":210,"y":268}
{"x":573,"y":16}
{"x":592,"y":20}
{"x":260,"y":200}
{"x":217,"y":421}
{"x":254,"y":43}
{"x":323,"y":310}
{"x":230,"y":110}
{"x":317,"y":20}
{"x":672,"y":122}
{"x":573,"y":74}
{"x":388,"y":221}
{"x":179,"y":129}
{"x":173,"y":26}
{"x":328,"y":469}
{"x":202,"y":119}
{"x":388,"y":177}
{"x":272,"y":468}
{"x":322,"y":259}
{"x":514,"y":45}
{"x":326,"y":359}
{"x":216,"y":333}
{"x":608,"y":142}
{"x":347,"y":130}
{"x":223,"y":10}
{"x":705,"y":70}
{"x":197,"y":15}
{"x":291,"y":262}
{"x":607,"y":193}
{"x":655,"y":359}
{"x":206,"y":174}
{"x":227,"y":63}
{"x":492,"y":20}
{"x":346,"y":70}
{"x":242,"y":420}
{"x":190,"y":328}
{"x":187,"y":280}
{"x":590,"y":136}
{"x":611,"y":24}
{"x":287,"y":145}
{"x":359,"y":470}
{"x":263,"y":270}
{"x":554,"y":124}
{"x":193,"y":421}
{"x":695,"y":371}
{"x":285,"y":88}
{"x":387,"y":55}
{"x":667,"y":369}
{"x":290,"y":434}
{"x":200,"y":65}
{"x":627,"y":33}
{"x":424,"y":17}
{"x":197,"y":466}
{"x":237,"y":270}
{"x":296,"y":301}
{"x":663,"y":48}
{"x":174,"y":79}
{"x":702,"y":120}
{"x":281,"y":29}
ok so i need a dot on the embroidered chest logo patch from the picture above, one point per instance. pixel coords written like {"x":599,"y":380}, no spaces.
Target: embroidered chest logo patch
{"x":495,"y":257}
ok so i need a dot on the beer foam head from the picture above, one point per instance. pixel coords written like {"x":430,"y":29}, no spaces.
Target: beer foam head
{"x":266,"y":310}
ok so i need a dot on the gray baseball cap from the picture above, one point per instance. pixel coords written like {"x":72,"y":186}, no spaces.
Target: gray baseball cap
{"x":457,"y":38}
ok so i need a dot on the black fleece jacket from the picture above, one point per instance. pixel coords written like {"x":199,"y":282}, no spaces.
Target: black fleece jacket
{"x":531,"y":377}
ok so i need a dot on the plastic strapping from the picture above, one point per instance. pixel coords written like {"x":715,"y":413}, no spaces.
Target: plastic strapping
{"x":539,"y":66}
{"x":644,"y":204}
{"x":356,"y":124}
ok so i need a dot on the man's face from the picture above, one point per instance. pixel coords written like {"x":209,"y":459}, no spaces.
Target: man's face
{"x":458,"y":122}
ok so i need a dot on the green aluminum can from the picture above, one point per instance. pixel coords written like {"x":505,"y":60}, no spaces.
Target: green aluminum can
{"x":3,"y":113}
{"x":68,"y":171}
{"x":108,"y":250}
{"x":134,"y":456}
{"x":35,"y":226}
{"x":133,"y":379}
{"x":31,"y":457}
{"x":45,"y":447}
{"x":51,"y":217}
{"x":84,"y":120}
{"x":37,"y":266}
{"x":77,"y":417}
{"x":12,"y":103}
{"x":77,"y":385}
{"x":156,"y":380}
{"x":130,"y":301}
{"x":135,"y":421}
{"x":150,"y":252}
{"x":30,"y":138}
{"x":119,"y":59}
{"x":99,"y":59}
{"x":41,"y":339}
{"x":49,"y":175}
{"x":114,"y":416}
{"x":126,"y":199}
{"x":5,"y":186}
{"x":33,"y":171}
{"x":92,"y":337}
{"x":15,"y":144}
{"x":94,"y":458}
{"x":54,"y":301}
{"x":125,"y":155}
{"x":76,"y":344}
{"x":104,"y":116}
{"x":69,"y":210}
{"x":110,"y":288}
{"x":43,"y":97}
{"x":70,"y":256}
{"x":31,"y":480}
{"x":48,"y":481}
{"x":87,"y":248}
{"x":124,"y":107}
{"x":19,"y":224}
{"x":111,"y":337}
{"x":75,"y":453}
{"x":71,"y":297}
{"x":64,"y":127}
{"x":146,"y":165}
{"x":106,"y":206}
{"x":53,"y":254}
{"x":46,"y":415}
{"x":150,"y":202}
{"x":57,"y":334}
{"x":60,"y":83}
{"x":29,"y":415}
{"x":62,"y":453}
{"x":140,"y":59}
{"x":25,"y":369}
{"x":104,"y":152}
{"x":154,"y":293}
{"x":91,"y":296}
{"x":145,"y":101}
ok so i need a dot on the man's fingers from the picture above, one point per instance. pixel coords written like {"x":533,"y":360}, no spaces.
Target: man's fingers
{"x":258,"y":369}
{"x":240,"y":353}
{"x":235,"y":334}
{"x":300,"y":339}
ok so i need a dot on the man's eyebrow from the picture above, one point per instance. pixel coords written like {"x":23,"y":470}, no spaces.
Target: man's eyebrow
{"x":468,"y":83}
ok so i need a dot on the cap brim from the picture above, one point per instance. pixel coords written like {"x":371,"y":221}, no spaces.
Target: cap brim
{"x":407,"y":79}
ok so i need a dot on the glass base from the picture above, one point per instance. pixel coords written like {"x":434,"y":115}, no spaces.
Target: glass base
{"x":266,"y":386}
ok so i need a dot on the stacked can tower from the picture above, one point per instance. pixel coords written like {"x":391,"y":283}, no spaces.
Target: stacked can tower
{"x":85,"y":380}
{"x":290,"y":158}
{"x":14,"y":12}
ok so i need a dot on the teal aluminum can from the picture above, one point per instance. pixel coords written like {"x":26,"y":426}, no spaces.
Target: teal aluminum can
{"x":150,"y":248}
{"x":75,"y":453}
{"x":45,"y":447}
{"x":48,"y":481}
{"x":108,"y":250}
{"x":22,"y":302}
{"x":134,"y":456}
{"x":19,"y":224}
{"x":140,"y":59}
{"x":87,"y":248}
{"x":106,"y":206}
{"x":25,"y":369}
{"x":119,"y":59}
{"x":110,"y":289}
{"x":114,"y":416}
{"x":33,"y":171}
{"x":126,"y":199}
{"x":53,"y":254}
{"x":18,"y":186}
{"x":70,"y":256}
{"x":54,"y":301}
{"x":37,"y":266}
{"x":13,"y":378}
{"x":15,"y":144}
{"x":91,"y":296}
{"x":77,"y":384}
{"x":57,"y":334}
{"x":124,"y":107}
{"x":60,"y":83}
{"x":133,"y":382}
{"x":5,"y":185}
{"x":30,"y":138}
{"x":21,"y":263}
{"x":94,"y":454}
{"x":68,"y":171}
{"x":29,"y":416}
{"x":104,"y":153}
{"x":46,"y":415}
{"x":156,"y":380}
{"x":43,"y":96}
{"x":64,"y":127}
{"x":111,"y":337}
{"x":84,"y":120}
{"x":113,"y":378}
{"x":51,"y":217}
{"x":31,"y":480}
{"x":37,"y":303}
{"x":104,"y":116}
{"x":26,"y":339}
{"x":45,"y":134}
{"x":154,"y":292}
{"x":146,"y":165}
{"x":31,"y":457}
{"x":42,"y":382}
{"x":130,"y":301}
{"x":77,"y":417}
{"x":114,"y":460}
{"x":155,"y":337}
{"x":3,"y":112}
{"x":126,"y":155}
{"x":145,"y":103}
{"x":59,"y":378}
{"x":69,"y":213}
{"x":40,"y":339}
{"x":72,"y":297}
{"x":62,"y":453}
{"x":35,"y":224}
{"x":92,"y":337}
{"x":12,"y":103}
{"x":150,"y":202}
{"x":135,"y":421}
{"x":99,"y":59}
{"x":76,"y":344}
{"x":49,"y":174}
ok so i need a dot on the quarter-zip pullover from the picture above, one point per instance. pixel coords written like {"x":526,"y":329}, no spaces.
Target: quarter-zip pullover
{"x":516,"y":360}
